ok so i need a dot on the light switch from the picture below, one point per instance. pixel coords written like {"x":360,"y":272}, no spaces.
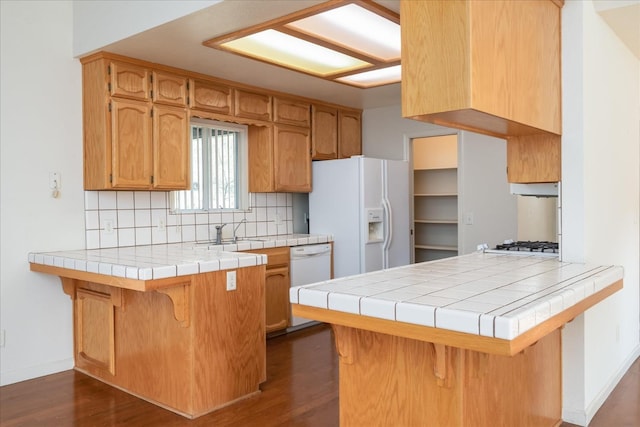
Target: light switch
{"x":468,"y":218}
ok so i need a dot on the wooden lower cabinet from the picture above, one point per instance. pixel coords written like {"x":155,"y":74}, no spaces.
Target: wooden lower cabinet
{"x":277,"y":284}
{"x":191,"y":347}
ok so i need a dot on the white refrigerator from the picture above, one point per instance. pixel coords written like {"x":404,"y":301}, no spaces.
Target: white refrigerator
{"x":364,"y":203}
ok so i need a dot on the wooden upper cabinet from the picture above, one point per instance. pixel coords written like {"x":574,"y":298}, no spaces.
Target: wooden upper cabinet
{"x":324,"y":132}
{"x":261,"y":167}
{"x":169,"y":89}
{"x":170,"y":148}
{"x":128,"y":80}
{"x":209,"y":96}
{"x":349,"y":133}
{"x":252,"y":105}
{"x":291,"y":112}
{"x":292,"y":159}
{"x":492,"y":67}
{"x":131,"y":156}
{"x":533,"y":158}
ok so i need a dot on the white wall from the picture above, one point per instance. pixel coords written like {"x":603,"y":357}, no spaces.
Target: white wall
{"x":601,"y":202}
{"x":98,"y":23}
{"x":484,"y":190}
{"x":41,"y":125}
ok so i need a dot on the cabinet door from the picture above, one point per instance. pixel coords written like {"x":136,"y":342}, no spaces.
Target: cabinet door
{"x":210,"y":96}
{"x":129,"y":81}
{"x":277,"y":298}
{"x":131,"y":144}
{"x":170,"y":148}
{"x":292,"y":159}
{"x":324,"y":133}
{"x":291,"y":112}
{"x":94,"y":331}
{"x":251,"y":105}
{"x":169,"y":89}
{"x":349,"y":134}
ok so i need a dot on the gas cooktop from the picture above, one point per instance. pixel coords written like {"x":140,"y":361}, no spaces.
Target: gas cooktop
{"x":528,"y":246}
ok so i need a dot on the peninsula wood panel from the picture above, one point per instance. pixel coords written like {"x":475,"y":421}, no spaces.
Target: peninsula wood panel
{"x":409,"y":382}
{"x":95,"y":126}
{"x":191,"y":348}
{"x":490,"y":66}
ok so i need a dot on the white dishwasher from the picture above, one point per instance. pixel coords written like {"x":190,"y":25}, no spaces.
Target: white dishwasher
{"x":308,"y":264}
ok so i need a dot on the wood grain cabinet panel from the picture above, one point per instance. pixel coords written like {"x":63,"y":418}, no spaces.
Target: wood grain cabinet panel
{"x":170,"y":148}
{"x":209,"y":96}
{"x":291,"y":112}
{"x":252,"y":105}
{"x":131,"y":144}
{"x":292,"y":159}
{"x":490,"y":66}
{"x":95,"y":331}
{"x":349,"y":133}
{"x":277,"y":284}
{"x":324,"y":132}
{"x":170,"y":89}
{"x":128,"y":80}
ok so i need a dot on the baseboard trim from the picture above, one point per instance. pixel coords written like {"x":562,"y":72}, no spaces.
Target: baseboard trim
{"x":599,"y":400}
{"x":32,"y":372}
{"x":583,"y":418}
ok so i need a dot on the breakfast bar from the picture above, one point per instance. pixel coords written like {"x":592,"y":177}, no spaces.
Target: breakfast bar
{"x":473,"y":340}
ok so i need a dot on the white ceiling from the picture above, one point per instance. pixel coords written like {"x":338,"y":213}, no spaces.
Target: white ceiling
{"x":179,"y":44}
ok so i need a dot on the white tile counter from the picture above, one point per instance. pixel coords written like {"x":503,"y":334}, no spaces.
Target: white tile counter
{"x":171,"y":260}
{"x":492,"y":295}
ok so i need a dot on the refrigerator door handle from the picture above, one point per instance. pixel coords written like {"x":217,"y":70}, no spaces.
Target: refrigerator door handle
{"x":388,"y":231}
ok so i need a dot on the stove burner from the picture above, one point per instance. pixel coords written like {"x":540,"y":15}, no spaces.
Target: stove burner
{"x":528,"y":246}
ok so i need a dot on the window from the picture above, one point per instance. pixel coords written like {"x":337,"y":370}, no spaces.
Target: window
{"x":218,"y":168}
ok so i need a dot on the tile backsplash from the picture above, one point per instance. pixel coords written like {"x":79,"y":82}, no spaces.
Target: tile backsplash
{"x":131,"y":218}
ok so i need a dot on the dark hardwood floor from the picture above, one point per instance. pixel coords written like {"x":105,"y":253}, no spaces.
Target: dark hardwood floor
{"x":301,"y":390}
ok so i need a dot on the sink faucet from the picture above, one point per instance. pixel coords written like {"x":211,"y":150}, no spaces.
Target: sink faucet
{"x":235,"y":238}
{"x":219,"y":233}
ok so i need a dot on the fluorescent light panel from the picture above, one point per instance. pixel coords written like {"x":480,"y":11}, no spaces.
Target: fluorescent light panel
{"x":286,"y":50}
{"x":356,"y":28}
{"x":350,"y":28}
{"x":373,"y":78}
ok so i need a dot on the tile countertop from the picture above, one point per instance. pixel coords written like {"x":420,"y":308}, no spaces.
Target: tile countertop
{"x":178,"y":259}
{"x":492,"y":295}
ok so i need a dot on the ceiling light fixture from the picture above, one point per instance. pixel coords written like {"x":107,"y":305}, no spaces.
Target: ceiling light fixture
{"x":355,"y":42}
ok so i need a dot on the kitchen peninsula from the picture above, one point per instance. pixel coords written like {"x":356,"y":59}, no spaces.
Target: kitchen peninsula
{"x":179,"y":325}
{"x":473,"y":340}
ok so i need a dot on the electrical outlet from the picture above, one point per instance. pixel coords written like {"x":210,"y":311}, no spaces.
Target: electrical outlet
{"x":231,"y":280}
{"x":161,"y":224}
{"x":108,"y":226}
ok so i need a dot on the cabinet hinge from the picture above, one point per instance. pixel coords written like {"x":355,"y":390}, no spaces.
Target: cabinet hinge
{"x":151,"y":112}
{"x":109,"y":69}
{"x":109,"y":87}
{"x":188,"y":85}
{"x":151,"y":179}
{"x":151,"y":94}
{"x":110,"y":178}
{"x":109,"y":107}
{"x":151,"y":78}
